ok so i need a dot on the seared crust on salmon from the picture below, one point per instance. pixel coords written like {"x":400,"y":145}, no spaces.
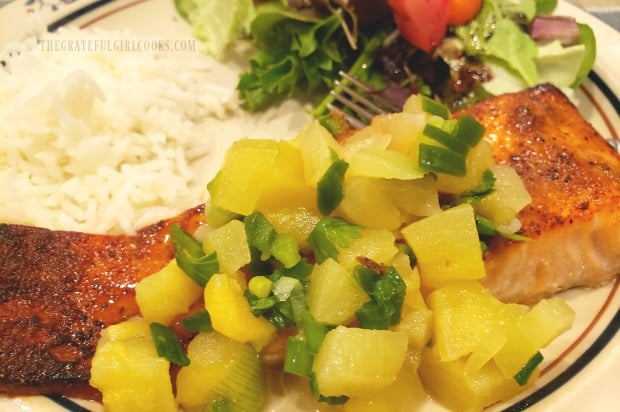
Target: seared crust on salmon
{"x":573,"y":176}
{"x":59,"y":289}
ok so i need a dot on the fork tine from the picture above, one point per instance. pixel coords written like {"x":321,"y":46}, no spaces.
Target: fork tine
{"x":362,"y":101}
{"x":386,"y":105}
{"x":368,"y":111}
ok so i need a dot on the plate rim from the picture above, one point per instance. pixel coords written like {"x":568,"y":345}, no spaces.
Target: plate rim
{"x":599,"y":77}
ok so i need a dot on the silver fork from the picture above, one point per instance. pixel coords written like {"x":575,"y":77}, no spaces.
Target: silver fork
{"x":363,"y":101}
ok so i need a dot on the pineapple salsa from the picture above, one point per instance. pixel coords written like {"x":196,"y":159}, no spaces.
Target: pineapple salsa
{"x":355,"y":261}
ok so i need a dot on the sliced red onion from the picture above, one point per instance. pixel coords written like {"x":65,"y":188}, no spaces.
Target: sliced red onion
{"x":548,"y":28}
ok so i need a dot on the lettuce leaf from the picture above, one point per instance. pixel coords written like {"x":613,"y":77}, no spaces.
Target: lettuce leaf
{"x":217,"y":23}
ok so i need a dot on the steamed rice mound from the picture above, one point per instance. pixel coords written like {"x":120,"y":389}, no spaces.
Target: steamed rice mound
{"x":102,"y":141}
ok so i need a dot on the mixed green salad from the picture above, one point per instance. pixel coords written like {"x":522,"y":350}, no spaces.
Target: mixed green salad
{"x":458,"y":51}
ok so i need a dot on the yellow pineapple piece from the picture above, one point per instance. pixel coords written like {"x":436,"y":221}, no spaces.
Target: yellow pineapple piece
{"x":365,"y":203}
{"x":298,"y":222}
{"x":317,"y":147}
{"x":375,"y":244}
{"x":231,"y":244}
{"x":404,"y":395}
{"x":333,"y":294}
{"x":418,"y":325}
{"x":449,"y":384}
{"x":165,"y":294}
{"x":532,"y":331}
{"x":353,"y":361}
{"x":465,"y":313}
{"x":446,"y":245}
{"x":370,"y":137}
{"x":128,"y":371}
{"x":246,"y":170}
{"x":221,"y":367}
{"x":387,"y":164}
{"x":286,"y":186}
{"x":416,"y":197}
{"x":411,"y":277}
{"x":479,"y":159}
{"x":509,"y":197}
{"x":231,"y":314}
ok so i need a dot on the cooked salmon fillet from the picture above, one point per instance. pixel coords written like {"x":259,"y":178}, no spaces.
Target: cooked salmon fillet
{"x":59,"y":289}
{"x":573,"y":176}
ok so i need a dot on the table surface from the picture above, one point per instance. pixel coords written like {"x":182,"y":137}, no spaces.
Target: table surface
{"x":606,"y":10}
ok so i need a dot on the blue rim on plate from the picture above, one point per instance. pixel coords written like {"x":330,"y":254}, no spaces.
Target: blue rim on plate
{"x":603,"y":339}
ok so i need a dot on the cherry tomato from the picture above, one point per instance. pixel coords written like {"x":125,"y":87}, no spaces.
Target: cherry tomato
{"x":462,"y":11}
{"x":422,"y":22}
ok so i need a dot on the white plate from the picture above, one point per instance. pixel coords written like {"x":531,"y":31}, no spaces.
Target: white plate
{"x":581,"y":369}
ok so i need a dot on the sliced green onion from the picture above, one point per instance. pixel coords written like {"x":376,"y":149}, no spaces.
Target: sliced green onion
{"x":330,"y":188}
{"x":526,"y":371}
{"x":445,"y":138}
{"x":486,"y":227}
{"x":330,"y":400}
{"x":406,"y":249}
{"x":221,"y":404}
{"x":168,"y":345}
{"x":198,"y":322}
{"x":314,"y":331}
{"x":300,"y":271}
{"x":259,"y":231}
{"x":387,"y":293}
{"x":330,"y":234}
{"x":431,"y":106}
{"x":438,"y":159}
{"x":483,"y":189}
{"x":191,"y":258}
{"x":468,"y":130}
{"x":298,"y":358}
{"x":285,"y":249}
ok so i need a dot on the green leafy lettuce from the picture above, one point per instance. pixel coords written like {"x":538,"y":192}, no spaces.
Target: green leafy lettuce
{"x":498,"y":38}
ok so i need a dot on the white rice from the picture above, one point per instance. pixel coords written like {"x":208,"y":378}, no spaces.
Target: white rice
{"x":103,"y":141}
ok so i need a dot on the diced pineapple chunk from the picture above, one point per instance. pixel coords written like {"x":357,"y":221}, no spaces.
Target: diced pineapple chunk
{"x":286,"y":186}
{"x":449,"y":384}
{"x":298,"y":222}
{"x":165,"y":294}
{"x":532,"y":331}
{"x":365,"y":203}
{"x":404,"y":130}
{"x":418,"y":325}
{"x":479,"y":159}
{"x":231,"y":314}
{"x":220,"y":367}
{"x":413,"y":104}
{"x":128,"y":371}
{"x":367,"y":138}
{"x":465,"y":313}
{"x":377,"y":245}
{"x":508,"y":198}
{"x":230,"y":242}
{"x":446,"y":246}
{"x":405,"y":394}
{"x":353,"y":361}
{"x":387,"y":164}
{"x":317,"y":146}
{"x":246,"y":170}
{"x":333,"y":294}
{"x":417,"y":197}
{"x":411,"y":277}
